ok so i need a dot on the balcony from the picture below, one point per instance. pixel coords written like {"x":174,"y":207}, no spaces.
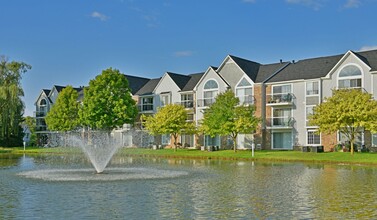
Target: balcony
{"x":280,"y":122}
{"x":206,"y":102}
{"x":145,"y":107}
{"x":39,"y":114}
{"x":187,"y":103}
{"x":40,"y":128}
{"x":280,"y":99}
{"x":246,"y":99}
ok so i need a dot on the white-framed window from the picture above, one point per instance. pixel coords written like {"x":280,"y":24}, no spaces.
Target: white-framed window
{"x":146,"y":104}
{"x":309,"y":110}
{"x":165,"y":99}
{"x":350,"y":76}
{"x":282,"y":117}
{"x":165,"y":139}
{"x":313,"y":138}
{"x":210,"y":91}
{"x":281,"y":93}
{"x":312,"y":88}
{"x":374,"y":140}
{"x":282,"y":140}
{"x":187,"y":140}
{"x":244,"y":91}
{"x":187,"y":100}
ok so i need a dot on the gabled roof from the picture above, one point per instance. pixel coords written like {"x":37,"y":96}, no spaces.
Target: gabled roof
{"x":180,"y":80}
{"x":369,"y":58}
{"x":136,"y":83}
{"x":267,"y":70}
{"x":194,"y":79}
{"x":149,"y":87}
{"x":307,"y":69}
{"x":249,"y":67}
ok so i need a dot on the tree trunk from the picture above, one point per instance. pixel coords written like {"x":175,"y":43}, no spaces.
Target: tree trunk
{"x":234,"y":137}
{"x":351,"y":142}
{"x":175,"y":136}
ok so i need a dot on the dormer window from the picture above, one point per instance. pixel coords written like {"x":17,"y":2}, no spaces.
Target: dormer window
{"x":350,"y":77}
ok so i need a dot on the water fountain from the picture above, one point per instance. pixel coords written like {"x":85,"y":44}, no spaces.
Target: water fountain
{"x":99,"y":148}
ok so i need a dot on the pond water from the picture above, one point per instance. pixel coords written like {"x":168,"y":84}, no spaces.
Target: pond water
{"x":183,"y":189}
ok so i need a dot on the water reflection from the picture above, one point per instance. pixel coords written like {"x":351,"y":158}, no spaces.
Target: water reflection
{"x":212,"y":189}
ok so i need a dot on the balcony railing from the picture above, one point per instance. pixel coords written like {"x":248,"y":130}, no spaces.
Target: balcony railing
{"x":280,"y":99}
{"x":246,"y":99}
{"x":187,"y":103}
{"x":39,"y":114}
{"x":206,"y":102}
{"x":145,"y":107}
{"x":41,"y":128}
{"x":280,"y":122}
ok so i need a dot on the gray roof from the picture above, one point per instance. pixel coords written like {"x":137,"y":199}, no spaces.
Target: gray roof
{"x":307,"y":69}
{"x":267,"y":70}
{"x":136,"y":83}
{"x":319,"y":67}
{"x":249,"y":67}
{"x":149,"y":87}
{"x":369,"y":57}
{"x":194,"y":79}
{"x":180,"y":80}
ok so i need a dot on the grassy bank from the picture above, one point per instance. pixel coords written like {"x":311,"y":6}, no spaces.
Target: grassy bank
{"x":330,"y":157}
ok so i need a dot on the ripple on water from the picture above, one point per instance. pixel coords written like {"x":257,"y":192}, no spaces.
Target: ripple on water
{"x":110,"y":174}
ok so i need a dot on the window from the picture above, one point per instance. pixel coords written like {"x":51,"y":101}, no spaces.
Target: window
{"x":165,"y":99}
{"x":165,"y":139}
{"x":313,"y":138}
{"x":210,"y":92}
{"x":187,"y":100}
{"x":42,"y":102}
{"x":374,"y":140}
{"x":350,"y":77}
{"x":312,"y":88}
{"x":244,"y":91}
{"x":282,"y":140}
{"x":283,"y":89}
{"x":309,"y":111}
{"x":281,"y":117}
{"x":147,"y":104}
{"x":211,"y":84}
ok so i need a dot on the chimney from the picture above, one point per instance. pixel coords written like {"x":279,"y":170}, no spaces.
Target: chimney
{"x":293,"y":61}
{"x":281,"y":61}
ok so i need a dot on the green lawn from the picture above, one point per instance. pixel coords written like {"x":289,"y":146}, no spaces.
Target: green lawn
{"x":329,"y":157}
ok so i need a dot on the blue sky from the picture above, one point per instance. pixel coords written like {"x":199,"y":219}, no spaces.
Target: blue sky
{"x":70,"y":42}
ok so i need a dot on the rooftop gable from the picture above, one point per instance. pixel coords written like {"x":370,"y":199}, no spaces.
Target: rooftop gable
{"x":136,"y":83}
{"x":148,"y":87}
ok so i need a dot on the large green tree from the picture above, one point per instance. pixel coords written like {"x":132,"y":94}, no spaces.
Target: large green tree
{"x":11,"y":105}
{"x":107,"y":102}
{"x":349,"y":111}
{"x":226,"y":117}
{"x":170,"y":119}
{"x":64,"y":115}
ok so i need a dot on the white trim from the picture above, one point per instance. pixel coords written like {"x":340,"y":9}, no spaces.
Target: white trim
{"x":281,"y":131}
{"x":350,"y":77}
{"x":339,"y":63}
{"x":307,"y":136}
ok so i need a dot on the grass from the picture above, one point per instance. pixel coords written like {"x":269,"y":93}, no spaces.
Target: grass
{"x":290,"y":156}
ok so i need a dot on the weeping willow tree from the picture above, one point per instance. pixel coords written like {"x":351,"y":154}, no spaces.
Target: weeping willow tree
{"x":11,"y":105}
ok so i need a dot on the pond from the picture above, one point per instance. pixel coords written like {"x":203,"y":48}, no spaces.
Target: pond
{"x":34,"y":187}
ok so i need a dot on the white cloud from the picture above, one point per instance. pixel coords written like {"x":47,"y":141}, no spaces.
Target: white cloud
{"x":100,"y":16}
{"x":315,"y":4}
{"x":352,"y":4}
{"x":186,"y":53}
{"x":365,"y":48}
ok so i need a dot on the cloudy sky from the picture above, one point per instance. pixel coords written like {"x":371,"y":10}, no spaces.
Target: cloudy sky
{"x":69,"y":42}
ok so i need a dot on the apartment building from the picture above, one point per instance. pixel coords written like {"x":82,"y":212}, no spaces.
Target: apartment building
{"x":284,"y":94}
